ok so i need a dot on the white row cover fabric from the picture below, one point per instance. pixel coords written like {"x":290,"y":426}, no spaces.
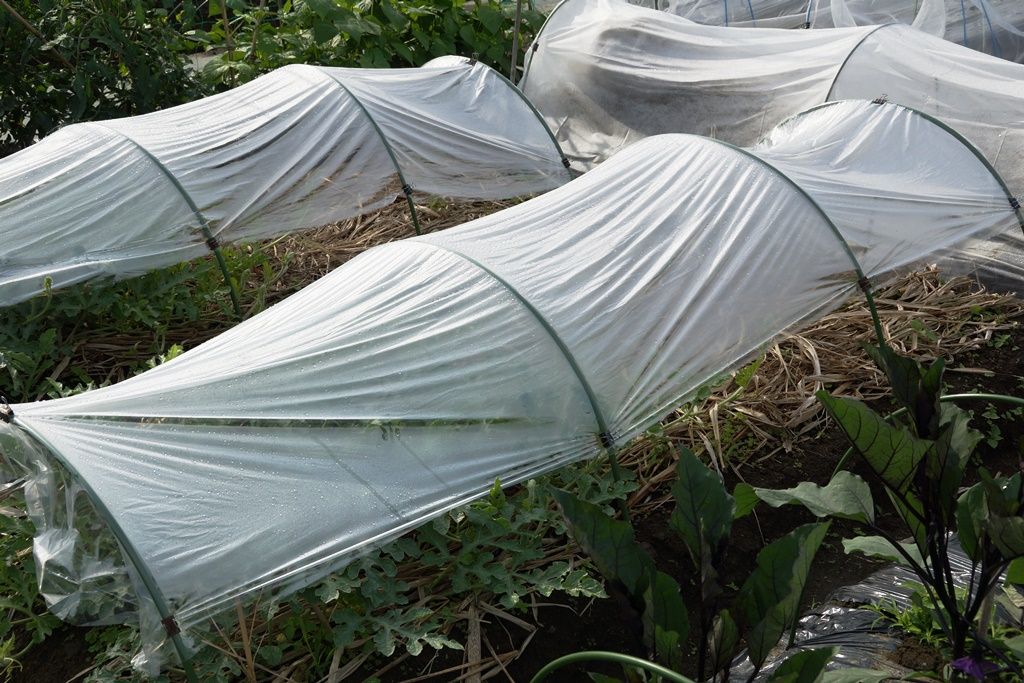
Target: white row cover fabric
{"x":406,"y":381}
{"x":297,"y":148}
{"x":606,"y":74}
{"x":995,"y":27}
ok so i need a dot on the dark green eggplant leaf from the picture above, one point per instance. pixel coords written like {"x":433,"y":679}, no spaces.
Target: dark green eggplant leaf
{"x":964,"y":439}
{"x":971,"y":520}
{"x":1015,"y":572}
{"x":876,"y":546}
{"x":768,"y":602}
{"x":704,"y":509}
{"x":1007,"y":534}
{"x":664,"y":617}
{"x":892,"y":452}
{"x":944,"y":471}
{"x":609,"y":543}
{"x":805,"y":666}
{"x":911,"y":511}
{"x":746,"y":500}
{"x":724,"y":642}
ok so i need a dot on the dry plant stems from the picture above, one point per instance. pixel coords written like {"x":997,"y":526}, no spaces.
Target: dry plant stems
{"x":295,"y":261}
{"x":923,"y":317}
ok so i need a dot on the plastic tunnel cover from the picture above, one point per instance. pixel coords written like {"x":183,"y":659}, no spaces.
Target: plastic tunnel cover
{"x":819,"y":150}
{"x":990,"y":26}
{"x":287,"y":151}
{"x":452,"y":60}
{"x":409,"y":379}
{"x":607,"y":73}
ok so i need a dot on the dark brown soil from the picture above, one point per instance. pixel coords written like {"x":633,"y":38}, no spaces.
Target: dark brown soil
{"x":61,"y":657}
{"x":916,"y":656}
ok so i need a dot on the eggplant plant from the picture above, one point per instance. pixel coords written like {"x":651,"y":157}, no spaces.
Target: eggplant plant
{"x":921,"y":459}
{"x":762,"y":612}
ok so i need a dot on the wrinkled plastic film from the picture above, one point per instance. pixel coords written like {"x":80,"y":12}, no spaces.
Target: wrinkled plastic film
{"x":863,"y":639}
{"x":607,"y":74}
{"x":409,"y":379}
{"x":288,"y":151}
{"x":821,"y":148}
{"x":990,"y":26}
{"x":80,"y":570}
{"x":993,"y":27}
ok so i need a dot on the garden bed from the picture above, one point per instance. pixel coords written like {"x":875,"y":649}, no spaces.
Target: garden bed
{"x":763,"y":427}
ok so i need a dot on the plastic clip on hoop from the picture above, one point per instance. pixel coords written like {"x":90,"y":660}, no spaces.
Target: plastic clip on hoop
{"x":1014,"y":204}
{"x":171,"y":626}
{"x":6,"y":414}
{"x":408,"y":190}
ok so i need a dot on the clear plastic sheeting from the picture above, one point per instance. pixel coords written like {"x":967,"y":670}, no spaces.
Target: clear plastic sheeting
{"x":409,"y":379}
{"x":759,"y":13}
{"x":81,"y":574}
{"x":863,"y":639}
{"x":297,"y":148}
{"x":995,"y":27}
{"x":606,"y":74}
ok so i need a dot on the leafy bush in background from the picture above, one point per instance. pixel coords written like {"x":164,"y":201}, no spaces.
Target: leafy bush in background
{"x":77,"y":60}
{"x":80,"y":60}
{"x":257,"y":37}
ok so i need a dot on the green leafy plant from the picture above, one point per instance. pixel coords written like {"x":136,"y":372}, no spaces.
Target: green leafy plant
{"x":762,"y":612}
{"x":21,"y":609}
{"x":45,"y":341}
{"x":368,"y":33}
{"x":918,"y":619}
{"x":404,"y":597}
{"x":920,"y":461}
{"x":89,"y":59}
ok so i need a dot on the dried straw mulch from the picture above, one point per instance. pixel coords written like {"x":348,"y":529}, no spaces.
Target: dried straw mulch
{"x":308,"y":256}
{"x":922,"y":316}
{"x":294,"y":261}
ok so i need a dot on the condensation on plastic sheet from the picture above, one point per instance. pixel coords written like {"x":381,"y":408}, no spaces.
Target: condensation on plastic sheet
{"x":294,"y":149}
{"x":863,"y":640}
{"x":989,"y":26}
{"x":405,"y":382}
{"x":82,"y":576}
{"x":606,"y":74}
